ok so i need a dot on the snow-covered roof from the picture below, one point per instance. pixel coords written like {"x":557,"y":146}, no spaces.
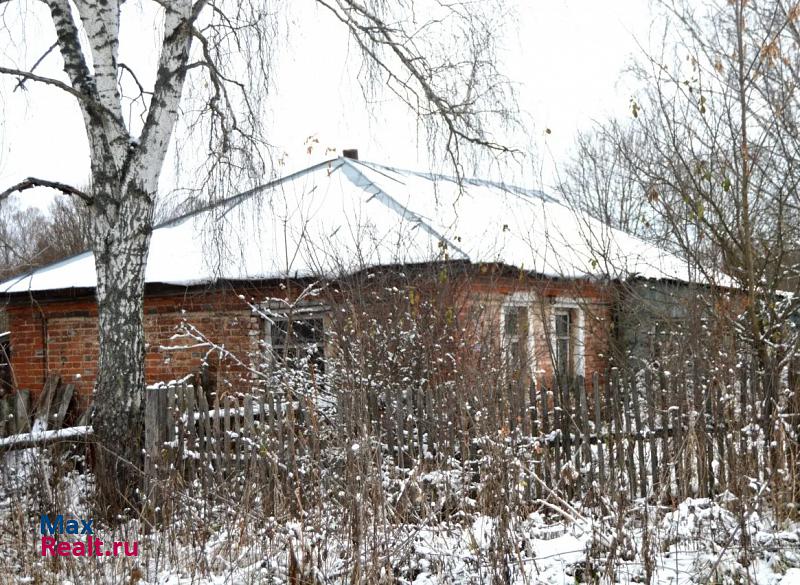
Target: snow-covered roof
{"x":345,"y":215}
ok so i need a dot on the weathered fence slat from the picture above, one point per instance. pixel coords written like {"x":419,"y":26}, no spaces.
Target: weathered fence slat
{"x":212,"y":436}
{"x":627,"y":397}
{"x":551,"y":453}
{"x":41,"y":411}
{"x":179,"y":421}
{"x":22,"y":409}
{"x":637,"y":419}
{"x":664,"y":421}
{"x":650,"y":402}
{"x":565,"y":416}
{"x":587,"y":461}
{"x":236,"y":430}
{"x":153,"y":427}
{"x":611,"y":427}
{"x":200,"y":420}
{"x":249,"y":430}
{"x":537,"y":432}
{"x":63,"y":404}
{"x":191,"y":429}
{"x":708,"y":435}
{"x":597,"y":426}
{"x":400,"y":407}
{"x":678,"y":448}
{"x":226,"y":430}
{"x":720,"y":421}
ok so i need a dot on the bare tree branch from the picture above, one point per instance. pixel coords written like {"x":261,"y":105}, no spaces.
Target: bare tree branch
{"x":142,"y":90}
{"x":47,"y":80}
{"x":32,"y":182}
{"x":417,"y":76}
{"x":21,"y":84}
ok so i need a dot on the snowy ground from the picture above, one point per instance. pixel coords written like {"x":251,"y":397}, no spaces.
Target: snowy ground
{"x":699,"y":542}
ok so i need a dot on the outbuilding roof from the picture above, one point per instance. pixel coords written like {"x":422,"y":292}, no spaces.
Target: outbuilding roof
{"x":345,"y":215}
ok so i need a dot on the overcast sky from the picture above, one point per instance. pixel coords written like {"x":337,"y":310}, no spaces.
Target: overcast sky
{"x":567,"y":57}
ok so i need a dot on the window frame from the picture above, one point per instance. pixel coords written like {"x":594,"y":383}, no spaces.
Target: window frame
{"x":573,"y":308}
{"x":520,"y":300}
{"x":560,"y":339}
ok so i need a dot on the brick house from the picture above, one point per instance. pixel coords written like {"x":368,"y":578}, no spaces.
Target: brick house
{"x":545,"y":276}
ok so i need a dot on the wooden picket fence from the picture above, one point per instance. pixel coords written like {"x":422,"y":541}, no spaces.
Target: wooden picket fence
{"x":653,"y":434}
{"x":24,"y":423}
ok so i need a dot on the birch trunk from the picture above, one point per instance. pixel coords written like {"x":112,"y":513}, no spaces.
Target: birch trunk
{"x":121,"y":238}
{"x":125,"y":173}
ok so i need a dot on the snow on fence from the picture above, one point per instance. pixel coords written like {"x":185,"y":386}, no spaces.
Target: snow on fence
{"x":651,"y":434}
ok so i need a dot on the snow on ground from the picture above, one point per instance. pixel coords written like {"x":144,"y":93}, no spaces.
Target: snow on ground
{"x":699,"y":542}
{"x":721,"y":540}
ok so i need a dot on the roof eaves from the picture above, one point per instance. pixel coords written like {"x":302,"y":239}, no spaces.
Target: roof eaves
{"x":29,"y":274}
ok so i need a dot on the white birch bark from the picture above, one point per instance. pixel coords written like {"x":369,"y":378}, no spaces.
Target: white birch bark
{"x":125,"y":175}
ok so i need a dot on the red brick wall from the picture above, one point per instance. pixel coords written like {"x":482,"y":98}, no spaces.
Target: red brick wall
{"x":594,"y":300}
{"x":224,"y":320}
{"x":70,"y":331}
{"x":27,"y":348}
{"x":71,"y":348}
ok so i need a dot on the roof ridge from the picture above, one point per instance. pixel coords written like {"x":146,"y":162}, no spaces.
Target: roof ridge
{"x":239,"y":197}
{"x":392,"y":203}
{"x":516,"y":189}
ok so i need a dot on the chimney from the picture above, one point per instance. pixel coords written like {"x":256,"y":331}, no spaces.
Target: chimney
{"x":350,"y":153}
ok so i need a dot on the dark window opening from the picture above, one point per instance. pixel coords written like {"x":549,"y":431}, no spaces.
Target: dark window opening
{"x":298,"y":342}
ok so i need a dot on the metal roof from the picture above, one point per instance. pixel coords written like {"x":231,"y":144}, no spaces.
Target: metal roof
{"x":345,"y":215}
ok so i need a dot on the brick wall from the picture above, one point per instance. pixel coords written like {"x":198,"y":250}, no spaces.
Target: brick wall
{"x":542,"y":296}
{"x":61,"y":337}
{"x":69,"y":329}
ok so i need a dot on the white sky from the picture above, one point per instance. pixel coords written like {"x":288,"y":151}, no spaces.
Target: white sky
{"x":566,"y":56}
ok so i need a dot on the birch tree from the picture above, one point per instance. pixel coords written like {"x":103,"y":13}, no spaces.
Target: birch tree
{"x":438,"y":58}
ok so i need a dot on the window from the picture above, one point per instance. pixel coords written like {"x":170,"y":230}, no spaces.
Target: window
{"x":567,"y":338}
{"x":516,"y":336}
{"x":516,"y":342}
{"x":297,"y":339}
{"x":563,"y":345}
